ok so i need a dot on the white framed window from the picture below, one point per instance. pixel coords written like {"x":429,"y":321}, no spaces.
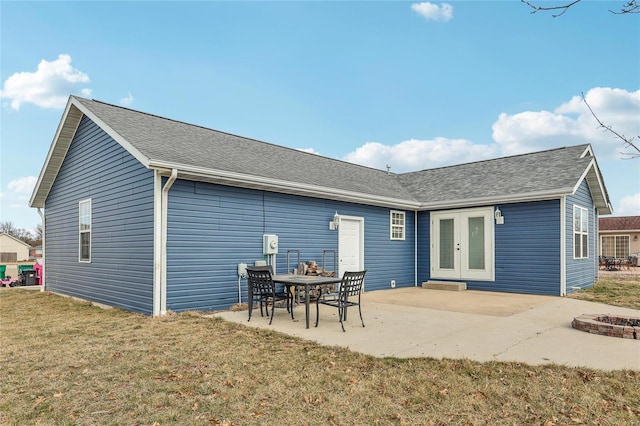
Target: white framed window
{"x":615,"y":246}
{"x":84,"y":231}
{"x":580,"y":232}
{"x":397,"y":225}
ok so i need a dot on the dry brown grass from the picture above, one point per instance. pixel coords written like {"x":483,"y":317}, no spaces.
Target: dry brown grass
{"x":68,"y":362}
{"x":616,"y":291}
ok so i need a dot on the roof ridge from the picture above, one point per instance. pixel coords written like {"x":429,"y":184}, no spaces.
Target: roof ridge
{"x":499,"y":158}
{"x":231,"y":134}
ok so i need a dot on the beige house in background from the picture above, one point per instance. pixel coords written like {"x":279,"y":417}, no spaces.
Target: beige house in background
{"x":619,"y":236}
{"x":12,"y":249}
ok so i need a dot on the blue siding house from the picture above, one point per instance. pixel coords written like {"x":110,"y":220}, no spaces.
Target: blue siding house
{"x":150,"y":214}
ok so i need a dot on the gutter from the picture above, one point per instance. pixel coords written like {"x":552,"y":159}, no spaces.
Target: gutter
{"x":276,"y":185}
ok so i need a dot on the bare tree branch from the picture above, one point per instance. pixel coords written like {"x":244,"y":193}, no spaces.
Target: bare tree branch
{"x":564,"y":7}
{"x":632,"y":6}
{"x":629,"y":6}
{"x":628,"y":141}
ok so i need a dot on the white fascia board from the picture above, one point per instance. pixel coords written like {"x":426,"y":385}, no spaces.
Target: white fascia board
{"x":57,"y":151}
{"x":115,"y":135}
{"x":618,"y":231}
{"x":592,"y":170}
{"x":588,"y":151}
{"x":277,"y":185}
{"x":506,"y":199}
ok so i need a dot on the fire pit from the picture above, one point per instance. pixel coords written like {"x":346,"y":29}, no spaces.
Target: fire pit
{"x":609,"y":325}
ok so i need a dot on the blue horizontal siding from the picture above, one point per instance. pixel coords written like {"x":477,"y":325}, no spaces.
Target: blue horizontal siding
{"x":121,"y":193}
{"x":212,"y":228}
{"x":527,"y":249}
{"x":581,"y":273}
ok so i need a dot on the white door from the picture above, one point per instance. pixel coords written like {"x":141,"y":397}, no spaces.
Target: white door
{"x":462,"y":244}
{"x":350,"y":244}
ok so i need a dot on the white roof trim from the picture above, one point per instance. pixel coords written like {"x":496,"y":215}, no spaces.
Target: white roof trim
{"x":56,"y":155}
{"x":115,"y":135}
{"x":277,"y":185}
{"x":60,"y":146}
{"x":507,"y":199}
{"x":592,"y":175}
{"x":587,"y":151}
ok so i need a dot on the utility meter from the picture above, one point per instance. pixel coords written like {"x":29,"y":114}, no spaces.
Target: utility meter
{"x":270,"y":244}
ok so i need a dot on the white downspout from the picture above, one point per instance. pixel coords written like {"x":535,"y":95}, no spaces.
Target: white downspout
{"x":415,"y":248}
{"x":157,"y":240}
{"x":163,"y":239}
{"x":44,"y":260}
{"x":563,"y":246}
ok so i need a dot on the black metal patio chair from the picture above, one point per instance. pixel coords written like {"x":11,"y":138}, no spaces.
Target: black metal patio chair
{"x":262,"y":289}
{"x":346,"y":295}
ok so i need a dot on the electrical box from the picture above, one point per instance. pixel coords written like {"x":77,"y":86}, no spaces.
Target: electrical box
{"x":269,"y":244}
{"x":242,"y":270}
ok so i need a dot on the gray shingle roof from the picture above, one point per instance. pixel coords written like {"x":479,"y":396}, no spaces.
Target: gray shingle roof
{"x":182,"y":144}
{"x":213,"y":156}
{"x":517,"y":177}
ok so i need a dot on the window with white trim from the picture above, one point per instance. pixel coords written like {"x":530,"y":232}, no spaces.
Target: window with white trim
{"x":615,"y":246}
{"x":397,"y":225}
{"x":84,"y":231}
{"x":580,"y":232}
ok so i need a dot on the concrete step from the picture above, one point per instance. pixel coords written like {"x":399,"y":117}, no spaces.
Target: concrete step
{"x":444,"y":285}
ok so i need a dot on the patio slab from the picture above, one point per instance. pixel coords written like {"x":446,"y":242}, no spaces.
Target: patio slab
{"x":482,"y":326}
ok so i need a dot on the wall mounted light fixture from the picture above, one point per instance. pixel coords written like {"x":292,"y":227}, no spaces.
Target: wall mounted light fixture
{"x":333,"y":225}
{"x":498,"y":216}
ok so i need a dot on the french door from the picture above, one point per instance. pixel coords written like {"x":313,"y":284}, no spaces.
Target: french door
{"x":462,"y":244}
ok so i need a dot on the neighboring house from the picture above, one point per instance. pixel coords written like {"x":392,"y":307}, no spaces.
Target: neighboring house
{"x":151,"y":214}
{"x":619,"y":236}
{"x":13,"y":249}
{"x":35,"y":252}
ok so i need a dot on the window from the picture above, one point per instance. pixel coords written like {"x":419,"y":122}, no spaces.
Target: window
{"x":580,"y":233}
{"x":397,"y":225}
{"x":84,"y":228}
{"x":615,"y":246}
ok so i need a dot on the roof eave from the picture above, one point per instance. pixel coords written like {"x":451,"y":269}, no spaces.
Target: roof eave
{"x":57,"y":152}
{"x":505,"y":199}
{"x":596,"y":185}
{"x":257,"y":182}
{"x":60,"y":146}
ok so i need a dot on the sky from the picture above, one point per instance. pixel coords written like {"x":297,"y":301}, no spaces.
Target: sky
{"x":415,"y":85}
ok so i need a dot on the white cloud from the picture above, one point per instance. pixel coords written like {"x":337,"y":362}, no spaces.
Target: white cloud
{"x":416,"y":154}
{"x":572,"y":123}
{"x":432,"y":11}
{"x":629,"y":205}
{"x":48,"y":87}
{"x":23,"y":185}
{"x":128,"y":100}
{"x":309,"y":150}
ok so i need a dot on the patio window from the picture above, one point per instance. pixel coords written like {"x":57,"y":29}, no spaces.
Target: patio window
{"x":615,"y":246}
{"x":397,"y":222}
{"x":580,"y":233}
{"x":84,"y":228}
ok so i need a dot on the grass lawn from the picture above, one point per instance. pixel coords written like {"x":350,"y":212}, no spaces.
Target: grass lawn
{"x":623,"y":292}
{"x":67,"y":362}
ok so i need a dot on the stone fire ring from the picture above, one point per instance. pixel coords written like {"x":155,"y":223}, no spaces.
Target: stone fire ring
{"x":609,"y":325}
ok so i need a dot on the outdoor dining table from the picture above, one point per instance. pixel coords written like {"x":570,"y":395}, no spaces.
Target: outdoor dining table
{"x":306,"y":281}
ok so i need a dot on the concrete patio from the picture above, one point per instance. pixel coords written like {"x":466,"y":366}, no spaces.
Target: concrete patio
{"x":482,"y":326}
